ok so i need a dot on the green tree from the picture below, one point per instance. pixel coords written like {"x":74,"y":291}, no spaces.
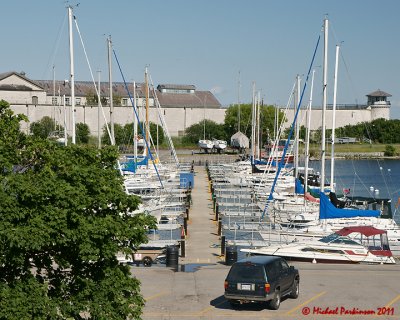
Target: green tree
{"x":390,"y":151}
{"x":119,"y":134}
{"x":43,"y":127}
{"x":267,"y":118}
{"x":82,"y":133}
{"x":64,"y":216}
{"x":206,"y":127}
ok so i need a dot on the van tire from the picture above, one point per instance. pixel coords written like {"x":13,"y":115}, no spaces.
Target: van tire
{"x":294,"y":294}
{"x":276,"y":302}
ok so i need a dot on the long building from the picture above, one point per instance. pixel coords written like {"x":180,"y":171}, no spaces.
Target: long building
{"x":182,"y":105}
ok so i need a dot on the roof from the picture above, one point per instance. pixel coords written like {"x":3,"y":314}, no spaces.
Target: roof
{"x":365,"y":230}
{"x":17,"y":87}
{"x":379,"y":93}
{"x":176,"y":86}
{"x":197,"y":99}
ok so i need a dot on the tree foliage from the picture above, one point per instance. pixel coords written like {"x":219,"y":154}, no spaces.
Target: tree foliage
{"x":64,"y":216}
{"x":267,"y":119}
{"x":124,"y":134}
{"x":43,"y":127}
{"x":205,"y":128}
{"x":82,"y":133}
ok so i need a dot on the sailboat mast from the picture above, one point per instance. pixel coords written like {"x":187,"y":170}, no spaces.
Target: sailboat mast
{"x":334,"y":119}
{"x":324,"y":94}
{"x":112,"y":138}
{"x":72,"y":76}
{"x":98,"y":109}
{"x":239,"y":103}
{"x":135,"y":133}
{"x":307,"y":149}
{"x":146,"y":81}
{"x":297,"y":126}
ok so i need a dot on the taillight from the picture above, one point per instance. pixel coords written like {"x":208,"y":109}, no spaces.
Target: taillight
{"x":267,"y":287}
{"x":226,"y":284}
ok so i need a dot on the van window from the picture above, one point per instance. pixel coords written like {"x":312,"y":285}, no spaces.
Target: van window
{"x":246,"y":273}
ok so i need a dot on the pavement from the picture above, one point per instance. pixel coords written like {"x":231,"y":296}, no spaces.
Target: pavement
{"x":195,"y":289}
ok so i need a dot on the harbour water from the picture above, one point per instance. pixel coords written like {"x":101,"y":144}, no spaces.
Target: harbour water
{"x":379,"y":178}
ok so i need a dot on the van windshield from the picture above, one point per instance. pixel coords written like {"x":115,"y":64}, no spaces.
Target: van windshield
{"x":246,"y":273}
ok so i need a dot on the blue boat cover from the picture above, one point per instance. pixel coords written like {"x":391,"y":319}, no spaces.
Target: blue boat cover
{"x":130,"y":164}
{"x":299,"y":189}
{"x":328,"y":211}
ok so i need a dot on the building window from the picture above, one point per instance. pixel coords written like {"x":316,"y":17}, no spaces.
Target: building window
{"x":78,"y":101}
{"x":67,"y":101}
{"x":35,"y":100}
{"x":54,"y":101}
{"x":124,"y":102}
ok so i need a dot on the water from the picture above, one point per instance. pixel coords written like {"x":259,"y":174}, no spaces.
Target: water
{"x":364,"y":177}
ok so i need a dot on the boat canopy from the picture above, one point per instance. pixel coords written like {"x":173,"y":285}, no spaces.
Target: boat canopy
{"x":365,"y":230}
{"x":328,"y":211}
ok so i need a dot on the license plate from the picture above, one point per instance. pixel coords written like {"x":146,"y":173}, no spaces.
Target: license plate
{"x":246,"y":287}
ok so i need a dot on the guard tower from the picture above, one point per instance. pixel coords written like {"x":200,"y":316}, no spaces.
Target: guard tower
{"x":379,"y":105}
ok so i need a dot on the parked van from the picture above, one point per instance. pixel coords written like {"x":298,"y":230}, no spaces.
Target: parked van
{"x":261,"y":279}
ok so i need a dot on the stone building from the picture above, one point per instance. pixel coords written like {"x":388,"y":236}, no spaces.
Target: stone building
{"x":181,"y":105}
{"x":377,"y":106}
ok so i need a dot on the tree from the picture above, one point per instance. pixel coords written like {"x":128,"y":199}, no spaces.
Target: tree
{"x":64,"y":216}
{"x":390,"y":151}
{"x":196,"y":132}
{"x":267,"y":118}
{"x":43,"y":127}
{"x":82,"y":133}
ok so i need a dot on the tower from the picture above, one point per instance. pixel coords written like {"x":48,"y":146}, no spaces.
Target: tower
{"x":380,"y":106}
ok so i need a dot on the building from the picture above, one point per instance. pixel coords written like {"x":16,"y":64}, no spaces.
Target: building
{"x":377,"y":106}
{"x":182,"y":105}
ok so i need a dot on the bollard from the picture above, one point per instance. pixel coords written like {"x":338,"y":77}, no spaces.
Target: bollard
{"x":230,"y":255}
{"x":216,"y":212}
{"x":172,"y":256}
{"x":222,"y":246}
{"x":219,"y":227}
{"x":183,"y":248}
{"x":185,"y":225}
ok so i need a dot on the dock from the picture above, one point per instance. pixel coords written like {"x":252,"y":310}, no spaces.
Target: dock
{"x":195,"y":289}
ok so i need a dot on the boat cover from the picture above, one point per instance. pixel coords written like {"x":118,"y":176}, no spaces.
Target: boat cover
{"x":365,"y":230}
{"x":328,"y":211}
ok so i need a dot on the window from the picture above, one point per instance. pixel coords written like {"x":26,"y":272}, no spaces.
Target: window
{"x":124,"y":102}
{"x":35,"y":100}
{"x":67,"y":101}
{"x":78,"y":101}
{"x":54,"y":101}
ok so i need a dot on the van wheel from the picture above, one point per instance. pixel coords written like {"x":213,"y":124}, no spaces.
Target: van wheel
{"x":276,"y":302}
{"x":294,"y":294}
{"x":147,"y":262}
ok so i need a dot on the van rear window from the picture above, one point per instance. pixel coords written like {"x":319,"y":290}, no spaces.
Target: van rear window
{"x":246,"y":273}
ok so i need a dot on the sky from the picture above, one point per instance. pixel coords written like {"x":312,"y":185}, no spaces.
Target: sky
{"x":219,"y":45}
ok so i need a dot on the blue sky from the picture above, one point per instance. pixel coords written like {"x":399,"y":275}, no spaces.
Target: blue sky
{"x":207,"y":43}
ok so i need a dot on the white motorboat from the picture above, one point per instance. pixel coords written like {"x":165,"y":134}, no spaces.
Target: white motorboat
{"x":220,"y":145}
{"x":337,"y":247}
{"x":206,"y":145}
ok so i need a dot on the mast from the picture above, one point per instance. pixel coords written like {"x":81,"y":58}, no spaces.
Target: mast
{"x":146,"y":81}
{"x":297,"y":137}
{"x":134,"y":126}
{"x":253,"y":121}
{"x":54,"y":97}
{"x":334,"y":120}
{"x":239,"y":102}
{"x":307,"y":149}
{"x":324,"y":88}
{"x":72,"y":76}
{"x":98,"y":109}
{"x":112,"y":138}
